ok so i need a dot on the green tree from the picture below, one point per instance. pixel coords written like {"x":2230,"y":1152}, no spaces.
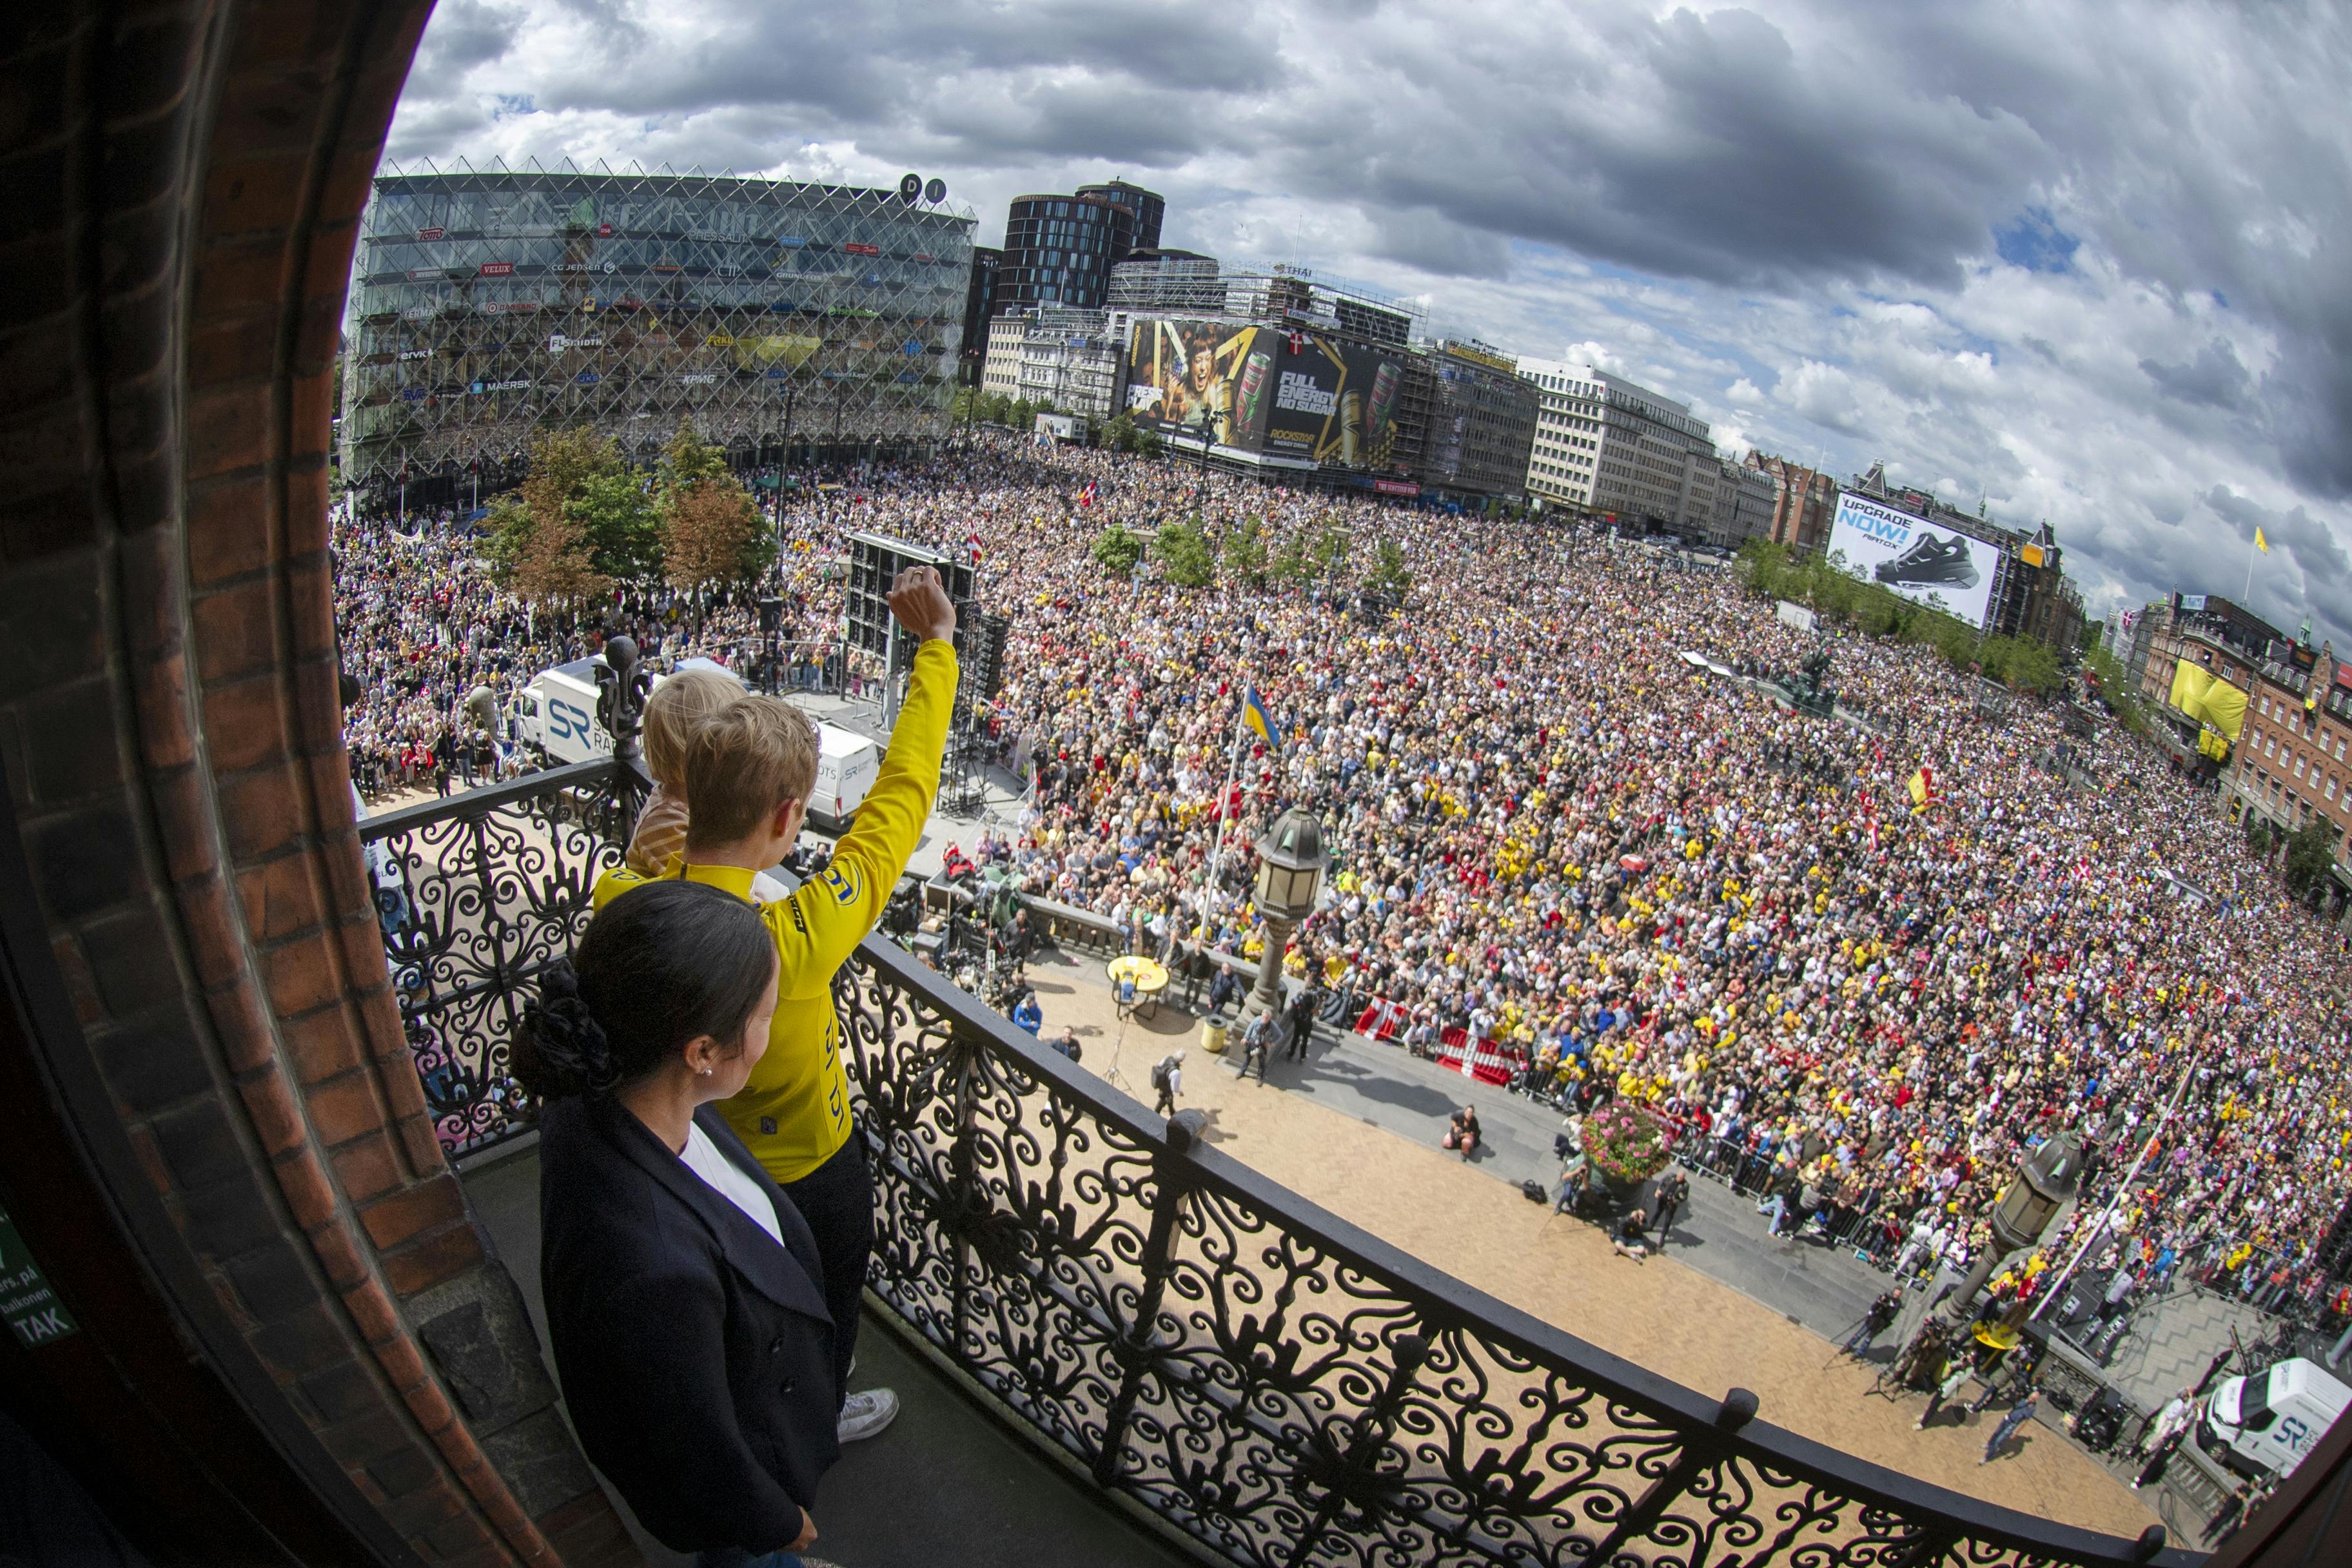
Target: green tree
{"x":708,"y":528}
{"x":1389,"y":575}
{"x":689,"y":460}
{"x":1185,"y":554}
{"x":619,"y":521}
{"x":1119,"y":433}
{"x":2115,"y":686}
{"x":1117,"y":550}
{"x":2258,"y":838}
{"x":1290,"y":565}
{"x":2310,"y":855}
{"x":580,"y":521}
{"x":1245,"y":551}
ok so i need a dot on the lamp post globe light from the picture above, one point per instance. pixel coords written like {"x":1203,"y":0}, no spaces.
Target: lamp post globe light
{"x":1291,"y":861}
{"x":2045,"y":1184}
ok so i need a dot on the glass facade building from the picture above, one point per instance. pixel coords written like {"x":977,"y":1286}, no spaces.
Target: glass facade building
{"x":1059,"y":250}
{"x":490,"y":303}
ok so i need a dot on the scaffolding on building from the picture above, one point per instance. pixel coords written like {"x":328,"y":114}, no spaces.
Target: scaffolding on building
{"x":784,"y":320}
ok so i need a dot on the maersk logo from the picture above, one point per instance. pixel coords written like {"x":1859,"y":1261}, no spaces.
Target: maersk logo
{"x":1298,"y":391}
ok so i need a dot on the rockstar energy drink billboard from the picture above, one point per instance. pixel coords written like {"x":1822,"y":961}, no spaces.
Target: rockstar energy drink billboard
{"x":1187,"y":377}
{"x":1334,"y":402}
{"x":1288,"y":393}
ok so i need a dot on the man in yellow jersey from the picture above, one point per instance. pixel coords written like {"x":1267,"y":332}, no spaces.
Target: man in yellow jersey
{"x":748,"y":772}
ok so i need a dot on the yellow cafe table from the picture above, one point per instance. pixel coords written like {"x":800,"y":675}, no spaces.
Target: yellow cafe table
{"x":1138,"y":981}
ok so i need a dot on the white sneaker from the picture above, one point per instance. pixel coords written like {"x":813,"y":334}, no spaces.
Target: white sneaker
{"x":863,"y":1415}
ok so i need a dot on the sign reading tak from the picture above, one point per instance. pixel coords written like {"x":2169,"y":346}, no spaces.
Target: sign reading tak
{"x":31,"y":1308}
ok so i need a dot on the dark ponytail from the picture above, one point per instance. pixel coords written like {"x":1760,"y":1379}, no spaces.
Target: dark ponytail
{"x":660,"y":965}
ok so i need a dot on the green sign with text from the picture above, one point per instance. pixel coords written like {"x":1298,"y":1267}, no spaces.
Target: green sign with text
{"x":29,"y":1303}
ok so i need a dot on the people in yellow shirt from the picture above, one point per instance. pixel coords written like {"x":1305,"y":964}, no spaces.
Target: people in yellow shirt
{"x":749,"y":773}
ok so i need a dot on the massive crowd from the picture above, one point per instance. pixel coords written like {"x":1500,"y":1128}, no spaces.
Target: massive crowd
{"x":1554,"y":832}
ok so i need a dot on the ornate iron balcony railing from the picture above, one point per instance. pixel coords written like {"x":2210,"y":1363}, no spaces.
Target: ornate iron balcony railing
{"x":1227,"y":1363}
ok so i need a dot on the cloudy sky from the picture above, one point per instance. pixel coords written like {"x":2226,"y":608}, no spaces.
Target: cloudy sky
{"x":2088,"y":264}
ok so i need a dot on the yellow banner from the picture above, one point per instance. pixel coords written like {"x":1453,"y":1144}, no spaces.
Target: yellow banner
{"x":792,"y":349}
{"x":2195,"y":692}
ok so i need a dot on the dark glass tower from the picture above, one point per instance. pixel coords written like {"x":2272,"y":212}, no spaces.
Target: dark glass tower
{"x":1059,"y":250}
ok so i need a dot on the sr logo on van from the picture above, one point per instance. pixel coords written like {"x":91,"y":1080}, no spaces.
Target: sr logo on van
{"x":569,"y":721}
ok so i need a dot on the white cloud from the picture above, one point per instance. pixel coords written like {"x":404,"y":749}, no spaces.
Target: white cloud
{"x":2090,"y":271}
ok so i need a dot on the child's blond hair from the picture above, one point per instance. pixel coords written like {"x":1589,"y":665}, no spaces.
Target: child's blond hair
{"x":678,"y":706}
{"x":744,"y":761}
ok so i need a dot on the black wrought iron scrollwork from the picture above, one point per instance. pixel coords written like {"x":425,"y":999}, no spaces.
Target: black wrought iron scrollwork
{"x":1240,"y":1368}
{"x":1223,"y":1359}
{"x":475,"y":896}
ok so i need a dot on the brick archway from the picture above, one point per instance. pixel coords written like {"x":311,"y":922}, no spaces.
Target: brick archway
{"x":208,"y":1042}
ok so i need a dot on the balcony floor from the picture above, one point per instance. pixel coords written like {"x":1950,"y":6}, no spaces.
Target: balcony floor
{"x":944,"y":1483}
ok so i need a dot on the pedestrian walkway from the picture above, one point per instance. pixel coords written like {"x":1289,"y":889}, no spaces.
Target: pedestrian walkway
{"x":2171,"y":1341}
{"x":1357,"y":1129}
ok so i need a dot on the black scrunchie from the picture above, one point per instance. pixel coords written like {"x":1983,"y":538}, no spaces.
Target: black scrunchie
{"x":569,"y":1042}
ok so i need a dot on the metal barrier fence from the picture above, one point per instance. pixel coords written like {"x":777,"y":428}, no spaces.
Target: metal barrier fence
{"x":1862,"y":1227}
{"x":1228,"y":1364}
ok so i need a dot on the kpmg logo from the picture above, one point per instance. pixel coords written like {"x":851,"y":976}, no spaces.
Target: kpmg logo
{"x":1298,"y":392}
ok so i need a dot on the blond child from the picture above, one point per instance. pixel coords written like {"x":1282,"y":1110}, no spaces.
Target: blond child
{"x":679,"y":706}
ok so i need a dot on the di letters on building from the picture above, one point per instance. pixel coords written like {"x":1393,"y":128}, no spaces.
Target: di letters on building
{"x":1924,"y":561}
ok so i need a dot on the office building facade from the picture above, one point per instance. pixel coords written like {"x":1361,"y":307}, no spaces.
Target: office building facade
{"x":979,"y":305}
{"x":1746,"y":501}
{"x":1481,"y":423}
{"x":1566,"y":440}
{"x":1166,"y":282}
{"x":1066,"y":360}
{"x":2293,"y":762}
{"x":1059,"y":250}
{"x":487,"y":305}
{"x":1654,"y":465}
{"x":1804,"y":503}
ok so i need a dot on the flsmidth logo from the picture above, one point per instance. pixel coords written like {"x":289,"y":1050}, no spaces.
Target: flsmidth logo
{"x":497,"y":268}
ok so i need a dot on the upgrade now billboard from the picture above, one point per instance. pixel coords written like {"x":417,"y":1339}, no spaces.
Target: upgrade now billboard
{"x":1924,"y":561}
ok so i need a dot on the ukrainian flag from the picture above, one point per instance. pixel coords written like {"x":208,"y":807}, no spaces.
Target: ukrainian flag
{"x":1255,"y":717}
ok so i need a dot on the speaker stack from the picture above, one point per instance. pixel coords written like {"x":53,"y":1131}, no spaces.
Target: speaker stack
{"x":875,"y":563}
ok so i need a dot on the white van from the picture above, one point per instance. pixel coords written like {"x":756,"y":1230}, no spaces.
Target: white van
{"x":847,"y":763}
{"x":556,"y":714}
{"x":2267,"y":1422}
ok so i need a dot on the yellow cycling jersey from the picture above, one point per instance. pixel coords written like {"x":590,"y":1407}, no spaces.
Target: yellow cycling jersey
{"x":793,"y":1114}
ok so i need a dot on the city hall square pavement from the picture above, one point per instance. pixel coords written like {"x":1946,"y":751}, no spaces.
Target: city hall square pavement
{"x":1357,"y":1132}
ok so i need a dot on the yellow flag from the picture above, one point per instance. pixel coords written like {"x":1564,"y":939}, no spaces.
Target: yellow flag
{"x":2259,"y":542}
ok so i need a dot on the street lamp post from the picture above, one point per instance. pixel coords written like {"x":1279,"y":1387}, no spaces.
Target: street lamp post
{"x":2045,"y":1184}
{"x":1291,"y":861}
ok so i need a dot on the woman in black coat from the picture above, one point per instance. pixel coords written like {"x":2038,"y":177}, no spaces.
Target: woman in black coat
{"x":685,"y":1302}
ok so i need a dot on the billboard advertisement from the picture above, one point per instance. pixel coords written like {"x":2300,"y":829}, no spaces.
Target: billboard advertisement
{"x":1924,"y":561}
{"x":1334,"y":402}
{"x":1298,"y":395}
{"x":1184,"y":377}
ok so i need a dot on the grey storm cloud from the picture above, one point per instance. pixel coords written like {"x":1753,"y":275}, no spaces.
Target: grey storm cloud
{"x":2306,"y":540}
{"x":2092,"y":267}
{"x":2214,"y":378}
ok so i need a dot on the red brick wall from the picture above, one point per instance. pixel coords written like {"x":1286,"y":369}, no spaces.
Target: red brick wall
{"x":184,"y":183}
